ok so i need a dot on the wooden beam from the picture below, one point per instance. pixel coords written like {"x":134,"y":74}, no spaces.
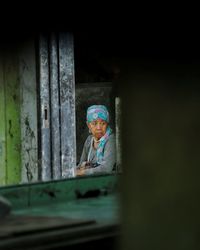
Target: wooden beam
{"x":2,"y":128}
{"x":12,"y":107}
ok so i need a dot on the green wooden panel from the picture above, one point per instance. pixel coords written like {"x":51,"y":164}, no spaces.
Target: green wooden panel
{"x":28,"y":97}
{"x":2,"y":128}
{"x":13,"y":137}
{"x":57,"y":191}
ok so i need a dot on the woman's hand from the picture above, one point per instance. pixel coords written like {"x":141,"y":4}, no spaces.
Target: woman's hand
{"x":83,"y":164}
{"x":80,"y":171}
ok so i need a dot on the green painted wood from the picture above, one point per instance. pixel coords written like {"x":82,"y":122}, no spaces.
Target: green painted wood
{"x":28,"y":96}
{"x":104,"y":208}
{"x":13,"y":137}
{"x":44,"y":193}
{"x":2,"y":128}
{"x":60,"y":204}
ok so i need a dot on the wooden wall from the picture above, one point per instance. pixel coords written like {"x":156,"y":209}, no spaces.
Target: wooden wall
{"x":18,"y":112}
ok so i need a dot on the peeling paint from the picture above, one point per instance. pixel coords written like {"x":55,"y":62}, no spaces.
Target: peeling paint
{"x":67,"y":102}
{"x":44,"y":102}
{"x":57,"y":105}
{"x":10,"y":128}
{"x":55,"y":109}
{"x":29,"y":143}
{"x":28,"y":112}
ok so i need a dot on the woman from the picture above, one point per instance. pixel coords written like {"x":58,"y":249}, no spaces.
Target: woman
{"x":98,"y":154}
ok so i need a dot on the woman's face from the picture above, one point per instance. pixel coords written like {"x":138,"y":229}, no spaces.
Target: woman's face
{"x":98,"y":128}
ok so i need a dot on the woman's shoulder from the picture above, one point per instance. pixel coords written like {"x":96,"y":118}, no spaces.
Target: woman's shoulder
{"x":88,"y":140}
{"x":111,"y":138}
{"x":111,"y":142}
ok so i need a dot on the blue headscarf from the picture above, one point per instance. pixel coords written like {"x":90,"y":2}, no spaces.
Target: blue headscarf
{"x":99,"y":112}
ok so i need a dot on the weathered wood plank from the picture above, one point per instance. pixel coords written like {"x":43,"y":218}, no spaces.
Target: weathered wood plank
{"x":55,"y":108}
{"x":2,"y":128}
{"x":44,"y":109}
{"x":29,"y":138}
{"x":12,"y":105}
{"x":67,"y":103}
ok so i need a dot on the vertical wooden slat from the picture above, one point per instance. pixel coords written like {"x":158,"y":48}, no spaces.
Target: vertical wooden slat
{"x":13,"y":137}
{"x":28,"y":112}
{"x":2,"y":127}
{"x":67,"y":103}
{"x":118,"y":133}
{"x":55,"y":110}
{"x":44,"y":108}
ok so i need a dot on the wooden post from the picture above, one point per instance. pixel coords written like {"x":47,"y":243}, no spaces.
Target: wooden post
{"x":44,"y":109}
{"x":2,"y":128}
{"x":29,"y":116}
{"x":55,"y":109}
{"x":67,"y":103}
{"x":12,"y":105}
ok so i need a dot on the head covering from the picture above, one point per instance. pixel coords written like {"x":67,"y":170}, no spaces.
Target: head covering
{"x":97,"y":111}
